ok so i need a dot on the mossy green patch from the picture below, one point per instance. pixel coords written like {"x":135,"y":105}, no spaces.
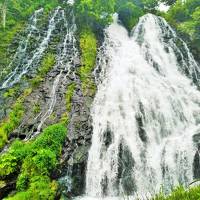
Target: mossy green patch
{"x":14,"y":118}
{"x":17,"y":112}
{"x":46,"y":65}
{"x":88,"y":46}
{"x":69,"y":95}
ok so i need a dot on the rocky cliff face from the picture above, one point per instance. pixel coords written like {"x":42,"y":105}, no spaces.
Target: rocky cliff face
{"x":46,"y":63}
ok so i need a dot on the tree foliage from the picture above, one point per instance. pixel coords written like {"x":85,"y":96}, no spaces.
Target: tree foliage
{"x":168,"y":2}
{"x":89,"y":12}
{"x":129,"y":14}
{"x":186,"y":18}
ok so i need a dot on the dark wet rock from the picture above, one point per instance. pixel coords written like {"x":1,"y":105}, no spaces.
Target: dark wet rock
{"x":126,"y":165}
{"x":196,"y":138}
{"x":107,"y":137}
{"x":7,"y":186}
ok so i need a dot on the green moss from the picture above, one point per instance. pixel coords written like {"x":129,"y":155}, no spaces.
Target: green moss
{"x":13,"y":119}
{"x":53,"y":116}
{"x":6,"y":37}
{"x":36,"y":108}
{"x":88,"y":46}
{"x":46,"y":65}
{"x":12,"y":92}
{"x":17,"y":112}
{"x":36,"y":160}
{"x":69,"y":95}
{"x":65,"y":118}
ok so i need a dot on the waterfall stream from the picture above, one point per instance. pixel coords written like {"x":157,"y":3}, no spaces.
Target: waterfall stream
{"x":24,"y":64}
{"x":145,"y":113}
{"x":21,"y":52}
{"x":66,"y":56}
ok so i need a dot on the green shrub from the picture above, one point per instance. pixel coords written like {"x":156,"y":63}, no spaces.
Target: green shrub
{"x":41,"y":188}
{"x":51,"y":138}
{"x":11,"y":161}
{"x":36,"y":159}
{"x":184,"y":16}
{"x":96,"y":12}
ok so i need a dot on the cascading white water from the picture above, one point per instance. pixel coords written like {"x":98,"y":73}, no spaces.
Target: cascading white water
{"x":145,"y":113}
{"x":20,"y":70}
{"x":67,"y":53}
{"x":22,"y":48}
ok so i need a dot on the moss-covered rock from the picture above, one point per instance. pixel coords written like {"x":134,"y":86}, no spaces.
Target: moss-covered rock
{"x":88,"y":47}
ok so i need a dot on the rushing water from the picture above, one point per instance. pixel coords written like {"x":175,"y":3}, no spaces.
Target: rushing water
{"x":21,"y":53}
{"x":25,"y":63}
{"x":66,"y":56}
{"x":145,"y":113}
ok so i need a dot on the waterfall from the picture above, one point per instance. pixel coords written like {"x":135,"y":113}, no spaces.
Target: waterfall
{"x":25,"y":64}
{"x":65,"y":65}
{"x":21,"y":52}
{"x":145,"y":113}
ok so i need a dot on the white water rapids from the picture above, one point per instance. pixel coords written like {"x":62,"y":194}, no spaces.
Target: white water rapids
{"x":145,"y":113}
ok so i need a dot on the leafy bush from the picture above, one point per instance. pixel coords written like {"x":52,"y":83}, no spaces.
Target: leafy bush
{"x":90,"y":12}
{"x":41,"y":188}
{"x":12,"y":160}
{"x":36,"y":160}
{"x":185,"y":18}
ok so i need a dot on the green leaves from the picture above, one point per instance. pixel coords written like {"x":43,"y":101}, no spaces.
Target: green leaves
{"x":149,"y":4}
{"x":89,"y":12}
{"x":36,"y":160}
{"x":41,"y":188}
{"x":186,"y":18}
{"x":180,"y":193}
{"x":12,"y":160}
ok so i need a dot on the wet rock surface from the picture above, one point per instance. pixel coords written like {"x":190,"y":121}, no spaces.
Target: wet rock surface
{"x":75,"y":150}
